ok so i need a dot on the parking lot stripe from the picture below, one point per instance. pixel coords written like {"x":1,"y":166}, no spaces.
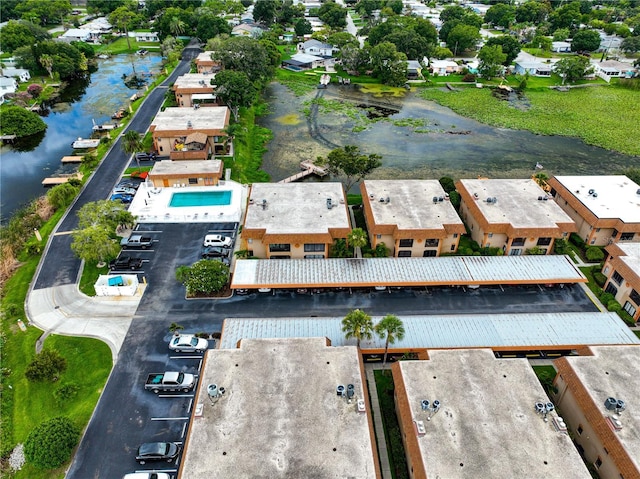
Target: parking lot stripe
{"x":184,"y":429}
{"x":175,"y":395}
{"x":186,"y":357}
{"x":156,"y":470}
{"x":170,"y":418}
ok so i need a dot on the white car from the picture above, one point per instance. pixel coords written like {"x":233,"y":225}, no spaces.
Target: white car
{"x":217,"y":240}
{"x":147,"y":475}
{"x":124,"y":190}
{"x":188,"y":343}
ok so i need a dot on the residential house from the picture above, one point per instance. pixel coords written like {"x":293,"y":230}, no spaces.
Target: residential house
{"x":294,"y":220}
{"x":444,"y":67}
{"x":7,"y":86}
{"x":191,"y":134}
{"x":145,"y":36}
{"x":537,"y":69}
{"x":597,"y":393}
{"x":20,"y":74}
{"x":78,"y":35}
{"x":186,"y":173}
{"x":302,"y":61}
{"x":463,"y":413}
{"x":613,"y":69}
{"x":609,"y":42}
{"x":414,"y":70}
{"x":605,"y":208}
{"x":246,"y":30}
{"x":561,"y":47}
{"x":195,"y":89}
{"x":413,"y":218}
{"x":316,"y":48}
{"x":622,"y":268}
{"x":205,"y":63}
{"x":515,"y":216}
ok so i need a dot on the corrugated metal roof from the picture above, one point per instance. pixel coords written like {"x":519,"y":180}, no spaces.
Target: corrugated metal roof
{"x":445,"y":270}
{"x":451,"y":331}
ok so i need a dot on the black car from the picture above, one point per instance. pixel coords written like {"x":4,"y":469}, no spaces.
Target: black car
{"x":128,"y":184}
{"x":145,"y":156}
{"x":215,"y":252}
{"x":125,"y":262}
{"x":157,"y":451}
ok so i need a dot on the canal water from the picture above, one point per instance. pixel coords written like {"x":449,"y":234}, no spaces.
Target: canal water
{"x":24,"y":165}
{"x":417,"y":139}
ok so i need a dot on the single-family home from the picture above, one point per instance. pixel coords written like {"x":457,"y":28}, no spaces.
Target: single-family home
{"x":77,"y":35}
{"x":515,"y":215}
{"x":145,"y":36}
{"x":612,"y":69}
{"x":205,"y":63}
{"x":247,"y":30}
{"x":609,"y":42}
{"x":444,"y":67}
{"x":294,"y":220}
{"x":317,"y":48}
{"x":187,"y":173}
{"x":533,"y":68}
{"x":303,"y":61}
{"x":195,"y":89}
{"x":191,"y":134}
{"x":622,"y":269}
{"x":414,"y":70}
{"x":7,"y":85}
{"x":20,"y":74}
{"x":604,"y":208}
{"x":561,"y":47}
{"x":413,"y":218}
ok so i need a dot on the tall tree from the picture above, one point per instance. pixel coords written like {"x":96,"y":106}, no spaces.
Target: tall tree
{"x":463,"y":37}
{"x":500,"y":15}
{"x":510,"y":47}
{"x":348,"y":161}
{"x":392,"y":328}
{"x":95,"y":244}
{"x":357,"y":324}
{"x":572,"y":69}
{"x":491,"y":60}
{"x":46,"y":61}
{"x":123,"y":19}
{"x":264,"y":11}
{"x":388,"y":64}
{"x":132,"y":143}
{"x":21,"y":33}
{"x":234,"y":89}
{"x":585,"y":41}
{"x":357,"y":238}
{"x":333,"y":14}
{"x":246,"y":55}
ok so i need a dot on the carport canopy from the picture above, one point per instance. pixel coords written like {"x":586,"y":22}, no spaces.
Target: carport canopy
{"x":405,"y":272}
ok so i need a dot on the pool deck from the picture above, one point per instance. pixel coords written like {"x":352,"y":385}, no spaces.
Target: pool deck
{"x":151,"y":205}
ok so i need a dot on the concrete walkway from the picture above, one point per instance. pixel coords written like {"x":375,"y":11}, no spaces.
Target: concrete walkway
{"x":377,"y":419}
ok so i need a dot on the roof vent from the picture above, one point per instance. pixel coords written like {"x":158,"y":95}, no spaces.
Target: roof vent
{"x":381,"y":199}
{"x":340,"y":390}
{"x":489,"y":200}
{"x":638,"y":192}
{"x":264,"y":204}
{"x":475,"y":195}
{"x":546,"y":198}
{"x":189,"y":125}
{"x":371,"y":196}
{"x":387,"y":199}
{"x":440,"y":199}
{"x":595,"y":195}
{"x":424,"y":404}
{"x":329,"y":203}
{"x":539,"y":198}
{"x":592,"y":191}
{"x":435,"y":199}
{"x":350,"y":392}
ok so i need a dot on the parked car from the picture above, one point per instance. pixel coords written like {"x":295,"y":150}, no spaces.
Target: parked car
{"x":170,"y":381}
{"x":145,"y":156}
{"x":222,"y":260}
{"x":125,"y":262}
{"x":122,"y":197}
{"x":241,"y":292}
{"x":123,"y":190}
{"x":217,"y":240}
{"x":128,"y":184}
{"x":157,"y":451}
{"x":214,"y":252}
{"x":147,"y":475}
{"x":188,"y":343}
{"x":136,"y":241}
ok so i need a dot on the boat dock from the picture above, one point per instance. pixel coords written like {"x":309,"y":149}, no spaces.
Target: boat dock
{"x":82,"y":144}
{"x":58,"y":180}
{"x":72,"y":159}
{"x":8,"y":137}
{"x":308,"y":168}
{"x":104,"y":127}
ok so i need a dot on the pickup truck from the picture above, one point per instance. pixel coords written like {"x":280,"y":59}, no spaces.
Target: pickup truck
{"x":125,"y":262}
{"x":136,"y":241}
{"x":170,"y":381}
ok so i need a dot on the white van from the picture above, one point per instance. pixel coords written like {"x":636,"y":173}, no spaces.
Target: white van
{"x":217,"y":240}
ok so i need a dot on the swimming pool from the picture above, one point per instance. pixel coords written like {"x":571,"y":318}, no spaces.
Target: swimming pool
{"x":200,"y":198}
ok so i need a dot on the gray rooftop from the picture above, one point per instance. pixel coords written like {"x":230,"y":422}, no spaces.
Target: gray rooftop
{"x":543,"y":330}
{"x":411,"y":204}
{"x":175,"y":118}
{"x":280,"y":416}
{"x":613,"y":372}
{"x":297,"y":208}
{"x":196,"y":167}
{"x":632,"y":258}
{"x":205,"y":56}
{"x":617,"y":196}
{"x":444,"y":270}
{"x":517,"y":203}
{"x":195,"y":80}
{"x":487,"y":425}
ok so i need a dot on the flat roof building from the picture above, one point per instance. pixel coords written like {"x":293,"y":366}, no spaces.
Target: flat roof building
{"x":205,"y":63}
{"x":598,"y":396}
{"x":294,"y":220}
{"x":512,"y":215}
{"x":485,"y":425}
{"x":195,"y":90}
{"x":186,"y":173}
{"x":605,"y":208}
{"x":280,"y":415}
{"x":411,"y":217}
{"x":622,"y":268}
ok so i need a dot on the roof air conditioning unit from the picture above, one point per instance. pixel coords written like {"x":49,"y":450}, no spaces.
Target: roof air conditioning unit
{"x":591,"y":191}
{"x":435,"y":199}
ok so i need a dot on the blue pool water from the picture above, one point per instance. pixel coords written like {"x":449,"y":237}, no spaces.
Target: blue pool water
{"x":200,"y":198}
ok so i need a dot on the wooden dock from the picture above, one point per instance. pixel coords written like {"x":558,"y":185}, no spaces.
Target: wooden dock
{"x":104,"y":127}
{"x":308,"y":168}
{"x":8,"y":137}
{"x":58,"y":180}
{"x":72,"y":159}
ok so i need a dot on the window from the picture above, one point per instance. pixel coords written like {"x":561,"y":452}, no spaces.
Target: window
{"x":429,"y":253}
{"x":193,"y":181}
{"x":278,"y":247}
{"x":281,"y":257}
{"x":597,"y":230}
{"x":406,"y":243}
{"x":617,"y":277}
{"x":314,"y":256}
{"x":518,"y":241}
{"x":453,"y":247}
{"x":378,"y":236}
{"x":544,"y":241}
{"x":515,"y":252}
{"x":593,"y":241}
{"x":598,"y":463}
{"x":490,"y":235}
{"x":404,"y":254}
{"x":455,"y":235}
{"x":626,"y":236}
{"x":611,"y":289}
{"x":431,"y":242}
{"x":634,"y":296}
{"x":579,"y":430}
{"x":313,"y":247}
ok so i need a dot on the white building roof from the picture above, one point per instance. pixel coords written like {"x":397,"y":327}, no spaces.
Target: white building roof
{"x":631,"y":255}
{"x":175,"y":118}
{"x":77,"y":33}
{"x":500,"y":331}
{"x":486,"y":425}
{"x":443,"y":270}
{"x":306,"y":58}
{"x":194,"y":80}
{"x":196,"y":167}
{"x":617,"y":196}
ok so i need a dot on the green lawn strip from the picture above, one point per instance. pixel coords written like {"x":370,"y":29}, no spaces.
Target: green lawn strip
{"x":592,"y":285}
{"x":90,"y":274}
{"x":637,"y":333}
{"x":607,"y":122}
{"x":297,"y":82}
{"x":249,"y":146}
{"x":392,"y":433}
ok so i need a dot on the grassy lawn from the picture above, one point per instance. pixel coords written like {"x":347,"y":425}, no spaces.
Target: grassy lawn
{"x":592,"y":285}
{"x":637,"y":333}
{"x":297,"y":82}
{"x":121,"y":46}
{"x":90,"y":274}
{"x":392,"y":433}
{"x":607,"y":122}
{"x":249,"y":146}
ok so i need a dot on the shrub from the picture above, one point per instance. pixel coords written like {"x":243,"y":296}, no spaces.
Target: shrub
{"x":469,"y":78}
{"x":600,"y":279}
{"x":46,"y":366}
{"x":614,"y":306}
{"x":34,"y":90}
{"x":50,"y":444}
{"x":560,"y":246}
{"x":594,"y":253}
{"x":576,"y":240}
{"x":66,"y":392}
{"x":605,"y":298}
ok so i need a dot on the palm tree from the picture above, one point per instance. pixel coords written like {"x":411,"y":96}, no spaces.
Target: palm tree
{"x":390,"y":326}
{"x":357,"y":239}
{"x":357,"y":324}
{"x":176,"y":26}
{"x":131,"y":143}
{"x":46,"y":61}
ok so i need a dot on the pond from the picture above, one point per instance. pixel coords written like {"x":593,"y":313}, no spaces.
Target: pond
{"x":416,"y":138}
{"x":24,"y":165}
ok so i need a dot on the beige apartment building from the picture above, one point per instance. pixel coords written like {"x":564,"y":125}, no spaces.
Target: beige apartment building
{"x":622,"y":268}
{"x":195,"y":90}
{"x":189,"y":134}
{"x":597,"y":393}
{"x":206,"y":64}
{"x":186,"y":173}
{"x":514,"y":215}
{"x":413,"y":218}
{"x":606,"y":208}
{"x":294,"y":220}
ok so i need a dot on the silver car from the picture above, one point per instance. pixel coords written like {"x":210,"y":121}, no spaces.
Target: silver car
{"x":188,"y":343}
